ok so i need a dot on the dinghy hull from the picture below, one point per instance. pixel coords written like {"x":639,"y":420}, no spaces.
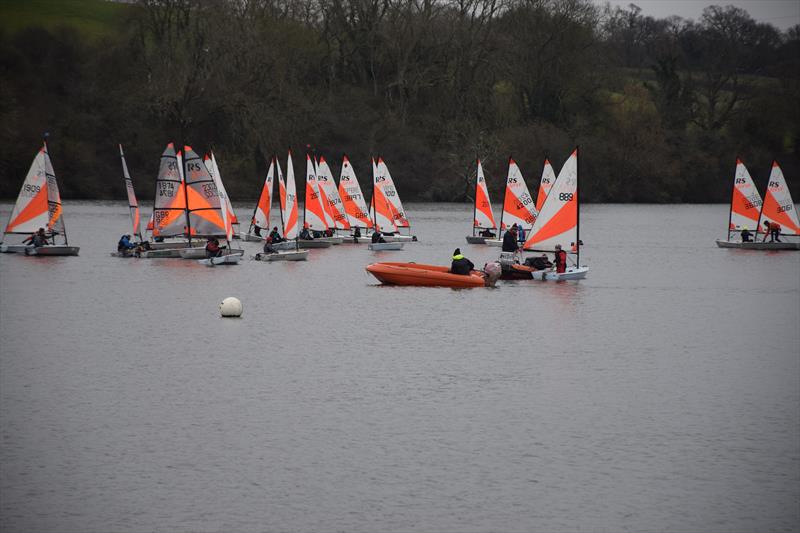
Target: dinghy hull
{"x":52,"y":250}
{"x":572,"y":273}
{"x":385,"y":246}
{"x":420,"y":275}
{"x":315,"y":243}
{"x":283,"y":256}
{"x":759,"y":245}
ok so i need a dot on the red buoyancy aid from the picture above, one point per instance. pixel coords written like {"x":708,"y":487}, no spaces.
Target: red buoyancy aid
{"x":561,"y":261}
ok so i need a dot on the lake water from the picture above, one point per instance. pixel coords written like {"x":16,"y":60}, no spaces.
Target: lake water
{"x":660,"y":393}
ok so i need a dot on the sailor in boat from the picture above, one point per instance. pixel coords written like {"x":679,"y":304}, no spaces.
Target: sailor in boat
{"x":212,"y":248}
{"x":256,"y":228}
{"x":274,"y":236}
{"x":37,"y":239}
{"x":124,"y":246}
{"x":560,"y":260}
{"x":305,"y":234}
{"x":268,"y":248}
{"x":774,"y":230}
{"x":521,"y":234}
{"x":510,"y":240}
{"x":460,"y":265}
{"x":746,"y":235}
{"x":377,"y":237}
{"x":487,"y":233}
{"x":356,"y":232}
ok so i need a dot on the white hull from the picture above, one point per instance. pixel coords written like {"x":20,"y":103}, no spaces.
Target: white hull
{"x":285,"y":245}
{"x":399,"y":238}
{"x":570,"y":274}
{"x":195,"y":252}
{"x":13,"y":248}
{"x":166,"y":253}
{"x":249,"y":237}
{"x":315,"y":243}
{"x":232,"y":259}
{"x":477,"y":239}
{"x":493,"y":242}
{"x":53,"y":249}
{"x":384,"y":246}
{"x":759,"y":245}
{"x":301,"y":255}
{"x":332,"y":240}
{"x":168,"y":245}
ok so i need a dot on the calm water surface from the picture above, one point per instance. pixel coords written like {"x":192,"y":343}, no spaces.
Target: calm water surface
{"x":661,"y":393}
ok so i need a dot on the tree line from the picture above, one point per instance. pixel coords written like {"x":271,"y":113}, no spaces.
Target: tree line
{"x":660,"y":107}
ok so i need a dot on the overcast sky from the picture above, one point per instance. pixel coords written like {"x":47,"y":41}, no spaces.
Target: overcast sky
{"x":781,"y":13}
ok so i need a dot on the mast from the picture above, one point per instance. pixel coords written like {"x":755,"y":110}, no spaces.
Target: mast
{"x":730,"y":207}
{"x":578,"y":204}
{"x":47,"y":177}
{"x":505,"y":191}
{"x":186,"y":196}
{"x":475,"y":199}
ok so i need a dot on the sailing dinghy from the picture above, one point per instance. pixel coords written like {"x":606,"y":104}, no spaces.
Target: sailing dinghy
{"x":313,"y":209}
{"x":355,"y":207}
{"x":748,"y":211}
{"x":382,"y":180}
{"x":287,"y":250}
{"x":558,"y":223}
{"x":38,"y":206}
{"x":169,"y":219}
{"x":133,"y":208}
{"x":260,"y":219}
{"x":208,"y":205}
{"x":482,"y":214}
{"x":518,"y":205}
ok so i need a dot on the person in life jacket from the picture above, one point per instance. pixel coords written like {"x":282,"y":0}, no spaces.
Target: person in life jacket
{"x":305,"y":234}
{"x":510,"y":240}
{"x":212,"y":248}
{"x":774,"y":231}
{"x":746,"y":235}
{"x":256,"y":228}
{"x":377,"y":237}
{"x":125,"y":244}
{"x":268,"y":249}
{"x":560,"y":260}
{"x":461,"y":265}
{"x":275,"y":236}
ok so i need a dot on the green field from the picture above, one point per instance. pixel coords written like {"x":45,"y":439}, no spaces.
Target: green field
{"x":94,"y":18}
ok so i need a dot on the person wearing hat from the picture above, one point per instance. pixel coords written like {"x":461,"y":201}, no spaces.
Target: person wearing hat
{"x":460,"y":264}
{"x":125,"y":245}
{"x":746,"y":235}
{"x":560,"y":260}
{"x":510,"y":240}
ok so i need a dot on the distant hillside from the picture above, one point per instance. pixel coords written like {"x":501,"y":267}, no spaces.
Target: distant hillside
{"x":93,"y":18}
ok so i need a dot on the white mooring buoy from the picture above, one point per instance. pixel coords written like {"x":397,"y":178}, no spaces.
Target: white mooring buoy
{"x":230,"y":307}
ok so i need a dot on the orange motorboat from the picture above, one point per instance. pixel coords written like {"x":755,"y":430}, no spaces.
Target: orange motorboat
{"x":423,"y":275}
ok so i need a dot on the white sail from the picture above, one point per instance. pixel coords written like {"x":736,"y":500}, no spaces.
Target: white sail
{"x":224,"y":204}
{"x":133,"y":205}
{"x":745,"y":201}
{"x":261,"y":212}
{"x":390,"y":191}
{"x":545,"y":184}
{"x":31,"y":210}
{"x":334,"y":206}
{"x":352,"y":198}
{"x":288,"y":192}
{"x":484,"y":216}
{"x":202,"y":198}
{"x":557,"y":222}
{"x":382,"y":211}
{"x":314,"y":211}
{"x":518,"y":205}
{"x":169,"y":204}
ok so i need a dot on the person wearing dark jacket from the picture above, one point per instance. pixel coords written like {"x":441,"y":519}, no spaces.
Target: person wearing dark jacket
{"x":125,"y":245}
{"x":746,"y":235}
{"x":461,"y":265}
{"x":510,"y":240}
{"x":377,"y":237}
{"x":212,"y":248}
{"x":275,"y":236}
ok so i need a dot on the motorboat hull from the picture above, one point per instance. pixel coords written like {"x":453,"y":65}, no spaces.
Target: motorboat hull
{"x":420,"y":275}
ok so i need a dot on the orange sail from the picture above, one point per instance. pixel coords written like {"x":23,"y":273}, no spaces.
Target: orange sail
{"x":778,"y":205}
{"x":314,"y":212}
{"x":484,"y":216}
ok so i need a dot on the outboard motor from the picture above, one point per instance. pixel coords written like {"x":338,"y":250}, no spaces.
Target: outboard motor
{"x":491,"y":273}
